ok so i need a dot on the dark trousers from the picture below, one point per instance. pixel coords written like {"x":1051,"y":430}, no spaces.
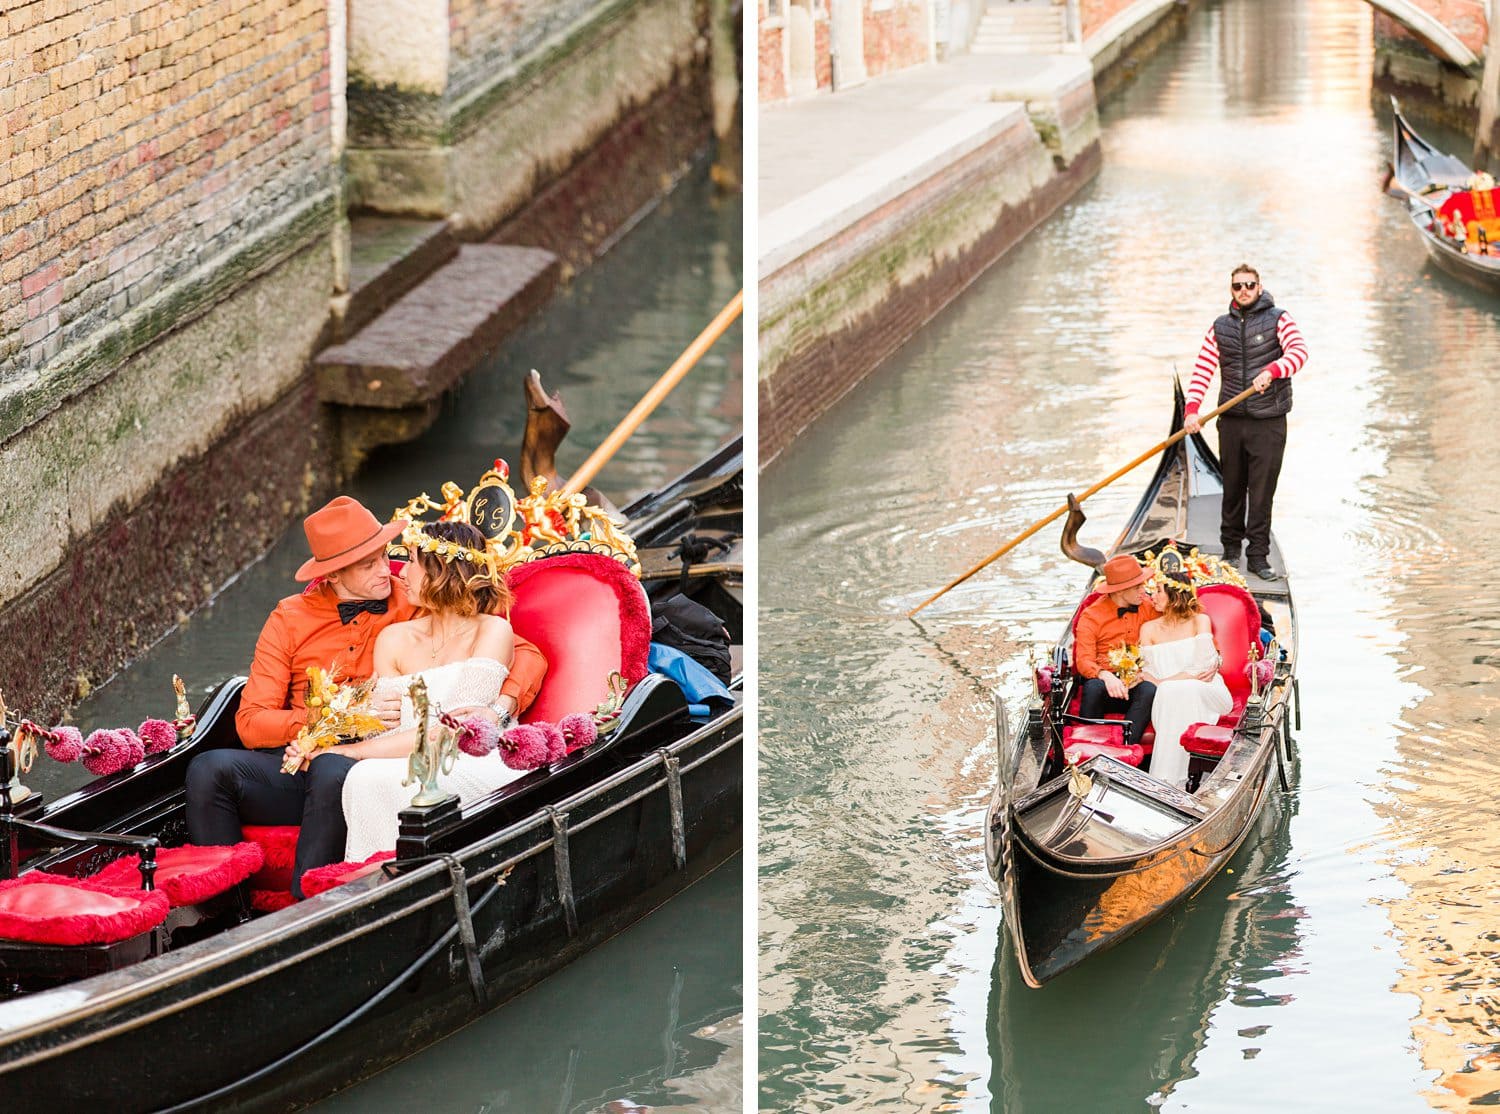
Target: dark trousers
{"x":229,"y":788}
{"x":1250,"y":449}
{"x":1096,"y":703}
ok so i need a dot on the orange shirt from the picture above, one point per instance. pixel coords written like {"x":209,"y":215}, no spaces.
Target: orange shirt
{"x":1101,"y":629}
{"x":304,"y":630}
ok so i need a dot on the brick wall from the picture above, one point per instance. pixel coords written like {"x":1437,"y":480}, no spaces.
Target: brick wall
{"x":895,"y":37}
{"x":1094,"y":14}
{"x":144,"y":138}
{"x":1464,"y":18}
{"x":822,"y":50}
{"x":772,"y":70}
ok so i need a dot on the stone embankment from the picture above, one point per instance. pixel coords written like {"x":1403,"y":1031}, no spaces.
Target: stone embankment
{"x":880,"y":204}
{"x":176,"y":246}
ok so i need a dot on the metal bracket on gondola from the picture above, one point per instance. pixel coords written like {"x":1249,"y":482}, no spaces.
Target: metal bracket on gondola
{"x":465,"y":918}
{"x":564,"y":868}
{"x":674,"y":796}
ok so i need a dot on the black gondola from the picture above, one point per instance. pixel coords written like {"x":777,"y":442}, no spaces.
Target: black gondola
{"x":1435,"y":185}
{"x":480,"y":903}
{"x":1087,"y":848}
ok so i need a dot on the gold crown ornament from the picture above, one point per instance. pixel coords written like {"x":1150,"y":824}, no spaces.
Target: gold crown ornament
{"x":543,"y":524}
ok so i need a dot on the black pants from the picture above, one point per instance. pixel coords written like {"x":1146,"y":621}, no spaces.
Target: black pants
{"x":1096,"y":702}
{"x":230,"y":788}
{"x":1250,"y":450}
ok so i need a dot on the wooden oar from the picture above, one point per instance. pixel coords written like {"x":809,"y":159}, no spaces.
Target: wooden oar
{"x":1100,"y":486}
{"x":652,"y":398}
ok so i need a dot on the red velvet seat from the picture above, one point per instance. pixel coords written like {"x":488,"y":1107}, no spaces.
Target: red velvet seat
{"x":40,"y":908}
{"x":589,"y":616}
{"x":1236,"y":624}
{"x":188,"y":875}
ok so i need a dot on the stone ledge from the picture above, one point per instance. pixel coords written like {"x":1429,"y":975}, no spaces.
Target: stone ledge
{"x":388,"y":257}
{"x":438,"y":333}
{"x":25,"y":402}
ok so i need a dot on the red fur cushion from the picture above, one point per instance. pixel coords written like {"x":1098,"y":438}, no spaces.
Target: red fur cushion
{"x":188,"y":875}
{"x":322,"y":878}
{"x":589,"y":616}
{"x":268,"y":901}
{"x":279,"y":845}
{"x":43,"y":908}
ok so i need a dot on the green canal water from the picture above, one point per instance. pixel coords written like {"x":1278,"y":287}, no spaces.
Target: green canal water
{"x":1346,"y":959}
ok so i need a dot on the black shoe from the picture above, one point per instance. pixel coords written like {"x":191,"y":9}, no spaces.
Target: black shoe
{"x":1231,"y":555}
{"x":1257,"y":566}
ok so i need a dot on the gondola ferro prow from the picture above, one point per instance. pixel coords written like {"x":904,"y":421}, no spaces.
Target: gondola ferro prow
{"x":1070,"y":547}
{"x":546,"y":425}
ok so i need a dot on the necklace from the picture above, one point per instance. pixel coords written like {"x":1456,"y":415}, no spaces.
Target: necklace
{"x":438,"y":644}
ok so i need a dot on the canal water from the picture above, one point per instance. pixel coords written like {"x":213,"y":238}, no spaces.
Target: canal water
{"x":1346,"y":959}
{"x":670,"y":1029}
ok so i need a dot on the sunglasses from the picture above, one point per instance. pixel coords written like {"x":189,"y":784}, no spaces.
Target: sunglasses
{"x":1243,"y":285}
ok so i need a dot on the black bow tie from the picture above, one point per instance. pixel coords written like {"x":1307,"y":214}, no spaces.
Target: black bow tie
{"x":1120,"y":612}
{"x":349,"y":609}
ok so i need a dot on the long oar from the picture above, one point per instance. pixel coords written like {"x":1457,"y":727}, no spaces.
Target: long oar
{"x":1062,"y":510}
{"x":652,"y":398}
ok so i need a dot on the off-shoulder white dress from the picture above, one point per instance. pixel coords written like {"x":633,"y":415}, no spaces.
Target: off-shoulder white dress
{"x":1180,"y":704}
{"x":373,"y":793}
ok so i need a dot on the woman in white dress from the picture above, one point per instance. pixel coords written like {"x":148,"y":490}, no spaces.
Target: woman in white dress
{"x":1179,"y":657}
{"x":462,"y":648}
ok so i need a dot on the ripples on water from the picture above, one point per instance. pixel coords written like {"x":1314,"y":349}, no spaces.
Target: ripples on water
{"x":1344,"y":964}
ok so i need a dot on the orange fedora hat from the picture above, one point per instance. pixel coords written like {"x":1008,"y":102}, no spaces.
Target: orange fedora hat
{"x":1122,"y":573}
{"x":341,"y":532}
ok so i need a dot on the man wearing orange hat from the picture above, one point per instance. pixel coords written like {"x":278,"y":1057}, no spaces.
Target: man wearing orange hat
{"x":332,"y":624}
{"x":1115,"y":619}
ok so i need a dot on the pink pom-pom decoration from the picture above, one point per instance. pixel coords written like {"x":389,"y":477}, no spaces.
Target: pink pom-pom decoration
{"x":524,"y":747}
{"x":557,"y":746}
{"x":66,"y":747}
{"x":102,"y":752}
{"x":477,"y":736}
{"x":158,"y":735}
{"x":579,"y":730}
{"x":132,"y":748}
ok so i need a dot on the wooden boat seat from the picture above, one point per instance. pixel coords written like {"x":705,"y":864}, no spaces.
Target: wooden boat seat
{"x":188,"y":875}
{"x":589,"y":616}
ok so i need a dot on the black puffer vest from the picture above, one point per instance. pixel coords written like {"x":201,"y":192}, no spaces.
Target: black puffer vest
{"x":1247,"y":343}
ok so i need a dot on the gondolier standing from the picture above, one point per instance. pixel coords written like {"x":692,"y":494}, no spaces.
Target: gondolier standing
{"x":1255,"y":344}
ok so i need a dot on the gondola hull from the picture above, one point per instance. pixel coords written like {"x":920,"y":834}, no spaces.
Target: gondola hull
{"x":1083,"y":862}
{"x":1481,"y":271}
{"x":286,"y":1008}
{"x":1062,"y":909}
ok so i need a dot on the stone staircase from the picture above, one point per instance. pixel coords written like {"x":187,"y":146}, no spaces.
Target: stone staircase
{"x":1021,"y":28}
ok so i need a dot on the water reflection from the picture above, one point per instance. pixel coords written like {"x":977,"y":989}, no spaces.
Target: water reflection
{"x":1350,"y":971}
{"x":1154,"y":1003}
{"x":649,"y":1019}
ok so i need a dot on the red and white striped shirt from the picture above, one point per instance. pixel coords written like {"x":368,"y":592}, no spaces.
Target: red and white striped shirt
{"x":1293,"y":356}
